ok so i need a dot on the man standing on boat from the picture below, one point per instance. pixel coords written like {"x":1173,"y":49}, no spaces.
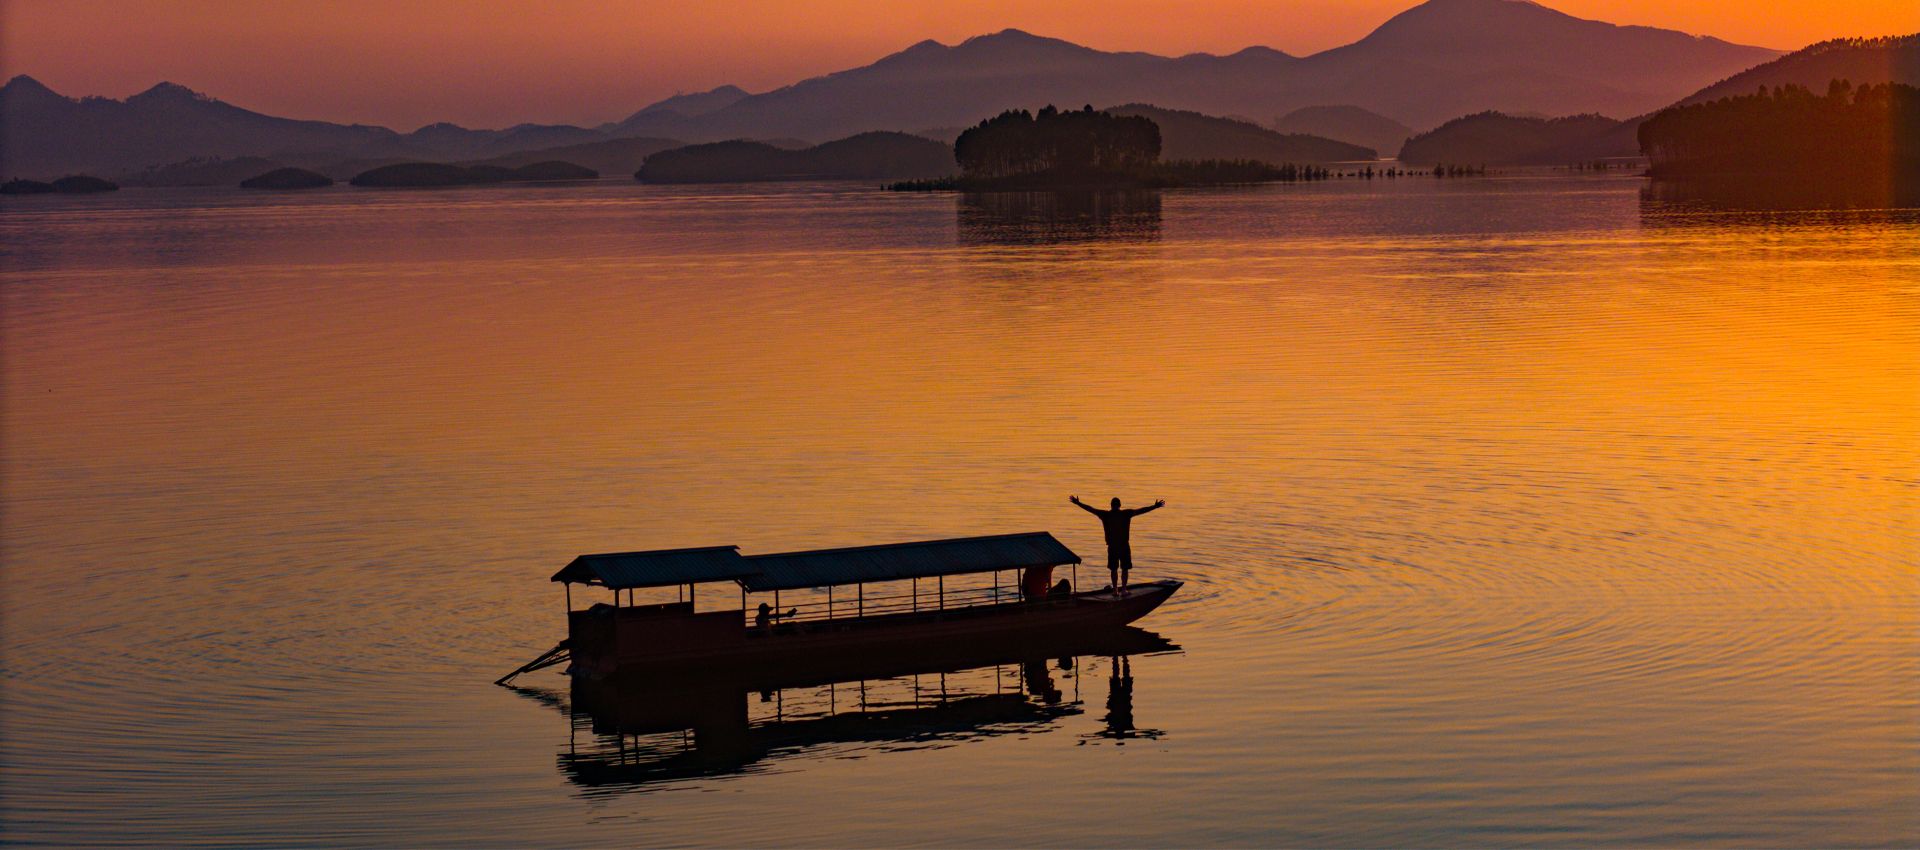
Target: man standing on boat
{"x":1117,"y":523}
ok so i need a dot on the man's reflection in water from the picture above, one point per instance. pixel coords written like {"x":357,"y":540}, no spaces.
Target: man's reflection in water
{"x":1119,"y":717}
{"x":1120,"y":696}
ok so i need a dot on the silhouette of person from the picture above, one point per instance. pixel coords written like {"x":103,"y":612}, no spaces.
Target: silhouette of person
{"x":1117,"y":522}
{"x":763,"y":619}
{"x":1120,"y":697}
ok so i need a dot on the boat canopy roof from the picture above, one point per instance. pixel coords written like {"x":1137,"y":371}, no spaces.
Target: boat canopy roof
{"x":820,"y":567}
{"x":657,"y":568}
{"x":923,"y":559}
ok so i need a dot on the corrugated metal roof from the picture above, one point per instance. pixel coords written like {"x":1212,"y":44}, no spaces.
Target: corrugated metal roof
{"x":658,"y":568}
{"x":789,"y":570}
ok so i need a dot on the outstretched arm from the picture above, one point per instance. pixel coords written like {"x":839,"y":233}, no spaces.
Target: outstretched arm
{"x":1082,"y":505}
{"x":1153,"y":507}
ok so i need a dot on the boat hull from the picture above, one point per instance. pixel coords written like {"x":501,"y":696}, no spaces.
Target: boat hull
{"x":681,"y":638}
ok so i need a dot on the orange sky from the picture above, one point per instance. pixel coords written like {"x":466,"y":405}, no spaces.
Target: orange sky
{"x":489,"y":64}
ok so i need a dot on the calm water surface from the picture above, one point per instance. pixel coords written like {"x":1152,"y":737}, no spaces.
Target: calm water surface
{"x":1514,"y":511}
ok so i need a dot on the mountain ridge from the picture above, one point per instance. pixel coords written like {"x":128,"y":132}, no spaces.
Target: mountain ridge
{"x":1428,"y":64}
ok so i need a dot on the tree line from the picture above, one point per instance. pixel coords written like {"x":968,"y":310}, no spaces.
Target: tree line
{"x":1867,"y":133}
{"x":1017,"y":142}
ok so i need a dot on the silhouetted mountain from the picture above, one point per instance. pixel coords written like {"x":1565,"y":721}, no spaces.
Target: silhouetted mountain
{"x":689,"y":105}
{"x":612,"y":156}
{"x":866,"y":156}
{"x":1192,"y":136}
{"x":1438,"y":60}
{"x":287,"y":178}
{"x":427,"y":174}
{"x":1491,"y":138}
{"x":42,"y":132}
{"x":202,"y":171}
{"x":1861,"y":61}
{"x":1349,"y":124}
{"x":455,"y":142}
{"x":1441,"y":59}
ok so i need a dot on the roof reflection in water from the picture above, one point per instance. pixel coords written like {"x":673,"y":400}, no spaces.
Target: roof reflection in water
{"x":641,"y":730}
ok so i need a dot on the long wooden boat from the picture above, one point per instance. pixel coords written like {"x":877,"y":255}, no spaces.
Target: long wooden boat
{"x":610,"y":638}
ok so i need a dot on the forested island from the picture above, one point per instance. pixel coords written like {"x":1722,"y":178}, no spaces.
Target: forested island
{"x":1495,"y":138}
{"x":1869,"y":134}
{"x":422,"y":174}
{"x":1019,"y":150}
{"x":73,"y":184}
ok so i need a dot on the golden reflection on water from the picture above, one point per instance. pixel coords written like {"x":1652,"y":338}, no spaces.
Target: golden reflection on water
{"x":1518,"y":512}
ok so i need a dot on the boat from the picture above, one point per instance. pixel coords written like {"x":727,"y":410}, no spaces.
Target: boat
{"x":871,"y":600}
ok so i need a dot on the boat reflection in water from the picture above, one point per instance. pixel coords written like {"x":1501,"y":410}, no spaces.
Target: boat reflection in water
{"x":643,"y":728}
{"x":1052,"y":218}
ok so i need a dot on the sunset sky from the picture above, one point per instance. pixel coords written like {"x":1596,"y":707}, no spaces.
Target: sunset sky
{"x":481,"y":64}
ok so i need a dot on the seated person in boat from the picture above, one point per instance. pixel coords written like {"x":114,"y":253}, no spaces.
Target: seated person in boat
{"x":764,"y":618}
{"x":1061,"y":589}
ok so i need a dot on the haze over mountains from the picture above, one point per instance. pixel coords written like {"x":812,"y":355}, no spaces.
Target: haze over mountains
{"x":1437,"y":61}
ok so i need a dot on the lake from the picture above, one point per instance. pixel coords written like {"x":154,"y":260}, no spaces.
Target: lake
{"x":1527,"y":510}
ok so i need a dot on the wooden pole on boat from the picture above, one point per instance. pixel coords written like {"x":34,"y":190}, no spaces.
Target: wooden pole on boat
{"x":916,"y":593}
{"x":861,"y":588}
{"x":943,"y":602}
{"x":569,"y":586}
{"x":690,"y":589}
{"x":829,"y":601}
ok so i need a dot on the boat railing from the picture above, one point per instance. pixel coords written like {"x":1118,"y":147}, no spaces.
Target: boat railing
{"x":851,"y":603}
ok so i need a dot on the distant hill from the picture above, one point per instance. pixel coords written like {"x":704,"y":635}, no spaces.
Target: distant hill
{"x":1860,"y":61}
{"x":1349,"y":124}
{"x":1491,"y":138}
{"x":287,"y":178}
{"x":687,"y":105}
{"x":202,"y":171}
{"x":45,"y":133}
{"x":428,"y":174}
{"x":1193,"y":136}
{"x":1438,"y":60}
{"x":865,"y":156}
{"x":611,"y":156}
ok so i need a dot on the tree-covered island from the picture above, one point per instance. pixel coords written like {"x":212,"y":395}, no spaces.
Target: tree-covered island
{"x":1019,"y":150}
